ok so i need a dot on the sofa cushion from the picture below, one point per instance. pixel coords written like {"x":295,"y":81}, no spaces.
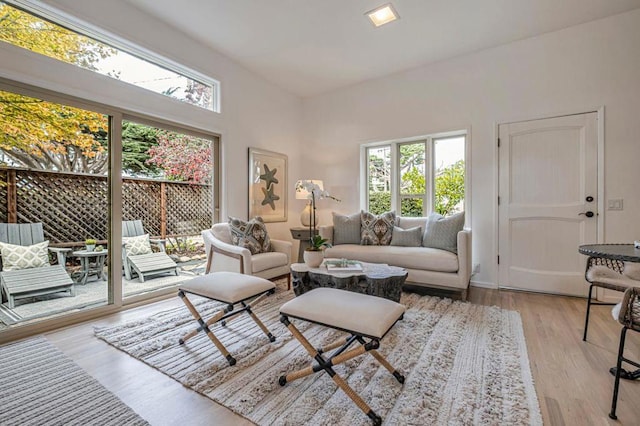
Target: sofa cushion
{"x":411,"y":237}
{"x":346,"y":229}
{"x":442,"y":232}
{"x":251,"y":235}
{"x":377,"y":230}
{"x":422,"y":258}
{"x":411,"y":222}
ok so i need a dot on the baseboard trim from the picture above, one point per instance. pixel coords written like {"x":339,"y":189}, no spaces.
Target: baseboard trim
{"x":483,"y":284}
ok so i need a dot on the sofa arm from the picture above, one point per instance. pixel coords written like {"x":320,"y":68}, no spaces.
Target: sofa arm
{"x":225,"y":257}
{"x":464,"y":256}
{"x":282,"y":247}
{"x":326,"y":232}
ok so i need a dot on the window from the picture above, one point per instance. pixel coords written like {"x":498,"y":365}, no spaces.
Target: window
{"x":111,"y":57}
{"x":417,"y":177}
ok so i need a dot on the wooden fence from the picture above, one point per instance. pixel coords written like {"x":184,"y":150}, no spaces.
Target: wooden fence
{"x":74,"y":207}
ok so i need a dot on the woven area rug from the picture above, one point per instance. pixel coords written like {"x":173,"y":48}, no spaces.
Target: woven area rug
{"x":41,"y":386}
{"x":464,"y":364}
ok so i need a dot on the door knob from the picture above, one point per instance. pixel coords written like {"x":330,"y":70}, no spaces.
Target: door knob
{"x":587,"y":214}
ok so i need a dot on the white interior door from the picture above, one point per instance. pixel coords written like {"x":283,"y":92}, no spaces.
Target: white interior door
{"x":547,"y":182}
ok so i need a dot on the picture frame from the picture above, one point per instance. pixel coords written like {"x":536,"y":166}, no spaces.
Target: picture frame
{"x":267,"y":185}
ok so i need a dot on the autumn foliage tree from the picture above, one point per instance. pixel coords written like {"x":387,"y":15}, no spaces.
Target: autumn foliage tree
{"x":182,"y":157}
{"x":44,"y":135}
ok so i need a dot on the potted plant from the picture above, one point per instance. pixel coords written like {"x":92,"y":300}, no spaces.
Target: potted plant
{"x":314,"y":254}
{"x":90,"y":243}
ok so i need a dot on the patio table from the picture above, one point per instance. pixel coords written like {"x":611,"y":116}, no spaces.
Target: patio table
{"x":88,"y":267}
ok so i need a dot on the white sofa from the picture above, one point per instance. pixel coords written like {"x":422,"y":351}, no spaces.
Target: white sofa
{"x":222,"y":255}
{"x":427,"y":267}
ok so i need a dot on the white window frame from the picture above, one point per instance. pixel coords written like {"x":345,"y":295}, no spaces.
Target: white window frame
{"x":72,"y":23}
{"x":429,"y":196}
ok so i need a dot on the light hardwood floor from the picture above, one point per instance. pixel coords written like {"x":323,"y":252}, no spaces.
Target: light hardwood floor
{"x":571,"y":376}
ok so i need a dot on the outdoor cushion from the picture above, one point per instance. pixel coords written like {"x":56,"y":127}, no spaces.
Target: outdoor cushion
{"x":251,"y":235}
{"x":411,"y":237}
{"x":227,"y":287}
{"x":137,"y":245}
{"x":16,"y":257}
{"x":376,"y":230}
{"x":346,"y":229}
{"x":442,"y":232}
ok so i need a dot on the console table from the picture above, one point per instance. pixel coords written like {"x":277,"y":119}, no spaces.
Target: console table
{"x":375,"y":279}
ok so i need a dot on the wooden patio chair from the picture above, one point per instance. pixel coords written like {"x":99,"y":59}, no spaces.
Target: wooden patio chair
{"x":147,"y":264}
{"x":29,"y":282}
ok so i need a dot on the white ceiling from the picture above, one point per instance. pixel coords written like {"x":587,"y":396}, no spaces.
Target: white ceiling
{"x":313,"y":46}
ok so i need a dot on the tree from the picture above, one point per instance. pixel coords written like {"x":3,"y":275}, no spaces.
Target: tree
{"x":44,"y":135}
{"x":449,"y":188}
{"x":182,"y":157}
{"x":137,"y":140}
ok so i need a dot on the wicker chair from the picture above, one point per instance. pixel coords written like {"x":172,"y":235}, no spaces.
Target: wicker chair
{"x":605,"y":273}
{"x":626,"y":313}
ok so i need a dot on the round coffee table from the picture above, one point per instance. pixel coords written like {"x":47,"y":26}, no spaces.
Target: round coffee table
{"x":375,"y":279}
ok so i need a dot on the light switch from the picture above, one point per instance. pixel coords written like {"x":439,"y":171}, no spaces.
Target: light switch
{"x":614,"y":204}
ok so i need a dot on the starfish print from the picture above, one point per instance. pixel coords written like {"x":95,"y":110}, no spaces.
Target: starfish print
{"x":268,"y":176}
{"x":269,"y":197}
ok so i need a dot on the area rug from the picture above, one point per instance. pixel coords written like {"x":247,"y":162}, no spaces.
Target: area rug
{"x":464,"y":364}
{"x":41,"y":386}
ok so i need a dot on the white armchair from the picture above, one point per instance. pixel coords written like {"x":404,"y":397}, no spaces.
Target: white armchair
{"x":222,"y":255}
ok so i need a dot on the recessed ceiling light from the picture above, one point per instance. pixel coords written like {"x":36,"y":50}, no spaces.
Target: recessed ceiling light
{"x":382,"y":15}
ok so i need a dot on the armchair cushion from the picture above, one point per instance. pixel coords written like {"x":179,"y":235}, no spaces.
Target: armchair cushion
{"x":264,"y":261}
{"x":137,"y":245}
{"x":16,"y":257}
{"x":251,"y":235}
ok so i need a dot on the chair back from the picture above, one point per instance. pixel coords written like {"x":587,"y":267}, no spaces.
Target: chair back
{"x":132,"y":228}
{"x":629,"y":315}
{"x":21,"y":234}
{"x":222,"y":232}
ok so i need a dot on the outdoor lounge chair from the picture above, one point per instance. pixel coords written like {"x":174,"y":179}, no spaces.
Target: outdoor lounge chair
{"x":32,"y":281}
{"x":148,"y":262}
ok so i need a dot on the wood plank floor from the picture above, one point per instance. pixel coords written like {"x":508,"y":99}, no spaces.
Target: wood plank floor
{"x":571,"y":376}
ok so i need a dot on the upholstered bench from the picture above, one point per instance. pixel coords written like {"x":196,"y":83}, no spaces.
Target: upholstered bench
{"x":362,"y":316}
{"x":230,"y":288}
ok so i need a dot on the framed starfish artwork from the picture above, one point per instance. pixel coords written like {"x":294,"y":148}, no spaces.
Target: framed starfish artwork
{"x":267,"y":185}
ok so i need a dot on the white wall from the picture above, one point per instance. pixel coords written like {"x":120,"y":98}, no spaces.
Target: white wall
{"x":254,"y":112}
{"x":573,"y":70}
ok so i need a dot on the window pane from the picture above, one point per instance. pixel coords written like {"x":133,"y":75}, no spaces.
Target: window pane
{"x":42,"y":36}
{"x":167,"y":188}
{"x":412,"y":178}
{"x":53,"y":182}
{"x":412,"y":207}
{"x":379,"y":179}
{"x":449,"y":175}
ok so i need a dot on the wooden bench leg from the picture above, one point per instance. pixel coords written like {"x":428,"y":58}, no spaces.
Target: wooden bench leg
{"x":383,"y":361}
{"x":326,"y":365}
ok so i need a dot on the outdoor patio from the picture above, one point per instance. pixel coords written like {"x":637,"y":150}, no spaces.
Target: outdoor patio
{"x":92,"y":294}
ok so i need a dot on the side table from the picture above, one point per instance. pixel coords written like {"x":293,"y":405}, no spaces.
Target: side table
{"x":89,"y":268}
{"x":303,"y":234}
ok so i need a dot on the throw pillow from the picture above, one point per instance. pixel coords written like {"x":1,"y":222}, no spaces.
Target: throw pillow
{"x":251,"y":235}
{"x":376,"y":230}
{"x":137,"y":245}
{"x":442,"y":232}
{"x":16,"y":257}
{"x":411,"y":237}
{"x":346,"y":229}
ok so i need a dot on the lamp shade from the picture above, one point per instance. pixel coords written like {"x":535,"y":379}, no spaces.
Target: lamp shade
{"x":301,"y":191}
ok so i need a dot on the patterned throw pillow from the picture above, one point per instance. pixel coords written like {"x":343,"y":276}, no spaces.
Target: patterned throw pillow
{"x":251,"y":235}
{"x":442,"y":232}
{"x":16,"y":257}
{"x":376,"y":230}
{"x":346,"y":229}
{"x":411,"y":237}
{"x":137,"y":245}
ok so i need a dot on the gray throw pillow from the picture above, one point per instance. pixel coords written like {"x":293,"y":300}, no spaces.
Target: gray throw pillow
{"x":346,"y":229}
{"x":411,"y":237}
{"x":251,"y":235}
{"x":442,"y":232}
{"x":377,"y":230}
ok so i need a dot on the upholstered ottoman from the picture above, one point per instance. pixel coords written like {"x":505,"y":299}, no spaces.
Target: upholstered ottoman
{"x":366,"y":318}
{"x":230,"y":288}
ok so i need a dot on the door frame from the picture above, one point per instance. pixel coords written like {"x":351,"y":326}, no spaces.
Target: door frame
{"x":600,"y":178}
